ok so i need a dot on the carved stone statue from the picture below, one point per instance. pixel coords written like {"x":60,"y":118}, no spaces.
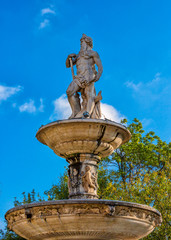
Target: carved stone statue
{"x":88,"y":179}
{"x":83,"y":82}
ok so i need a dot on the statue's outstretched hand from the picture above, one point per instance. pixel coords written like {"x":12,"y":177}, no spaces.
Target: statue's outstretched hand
{"x":72,"y":55}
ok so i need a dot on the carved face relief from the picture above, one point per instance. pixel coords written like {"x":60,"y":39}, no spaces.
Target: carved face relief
{"x":75,"y":172}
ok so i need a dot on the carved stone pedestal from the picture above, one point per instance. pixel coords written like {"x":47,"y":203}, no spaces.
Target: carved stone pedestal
{"x":82,"y":176}
{"x":83,"y":142}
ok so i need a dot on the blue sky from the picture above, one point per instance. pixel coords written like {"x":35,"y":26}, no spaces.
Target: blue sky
{"x":133,"y":40}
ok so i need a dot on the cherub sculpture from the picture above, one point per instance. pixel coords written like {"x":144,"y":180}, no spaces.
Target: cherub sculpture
{"x":87,"y":180}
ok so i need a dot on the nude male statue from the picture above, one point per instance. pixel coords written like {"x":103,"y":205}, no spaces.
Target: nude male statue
{"x":84,"y":81}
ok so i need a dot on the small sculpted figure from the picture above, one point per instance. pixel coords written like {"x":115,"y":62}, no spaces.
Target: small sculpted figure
{"x":83,"y":82}
{"x":87,"y":182}
{"x":74,"y":177}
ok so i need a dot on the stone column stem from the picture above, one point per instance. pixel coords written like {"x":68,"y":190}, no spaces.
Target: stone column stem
{"x":82,"y":176}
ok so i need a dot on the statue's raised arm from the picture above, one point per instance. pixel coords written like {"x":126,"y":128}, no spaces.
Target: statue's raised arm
{"x":83,"y":82}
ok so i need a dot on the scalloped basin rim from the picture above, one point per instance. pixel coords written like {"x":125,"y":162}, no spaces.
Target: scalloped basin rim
{"x":84,"y":201}
{"x":76,"y":120}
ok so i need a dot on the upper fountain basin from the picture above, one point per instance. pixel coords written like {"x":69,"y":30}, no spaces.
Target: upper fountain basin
{"x":95,"y":136}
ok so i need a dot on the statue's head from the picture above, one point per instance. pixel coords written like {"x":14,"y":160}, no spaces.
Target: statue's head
{"x":87,"y":168}
{"x":75,"y":172}
{"x":87,"y":39}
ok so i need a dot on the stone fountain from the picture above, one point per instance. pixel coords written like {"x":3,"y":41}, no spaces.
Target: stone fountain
{"x":83,"y":140}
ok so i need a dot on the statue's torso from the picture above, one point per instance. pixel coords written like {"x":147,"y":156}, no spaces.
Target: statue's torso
{"x":85,"y":65}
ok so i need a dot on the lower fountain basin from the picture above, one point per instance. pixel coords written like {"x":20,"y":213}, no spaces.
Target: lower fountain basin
{"x":83,"y":219}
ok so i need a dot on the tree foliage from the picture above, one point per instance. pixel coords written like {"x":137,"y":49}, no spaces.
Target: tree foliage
{"x":139,"y":171}
{"x":59,"y":191}
{"x":26,"y":198}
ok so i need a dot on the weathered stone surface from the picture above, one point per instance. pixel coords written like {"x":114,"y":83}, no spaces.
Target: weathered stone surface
{"x":83,"y":142}
{"x":83,"y":82}
{"x":82,"y":176}
{"x":83,"y":219}
{"x":69,"y":138}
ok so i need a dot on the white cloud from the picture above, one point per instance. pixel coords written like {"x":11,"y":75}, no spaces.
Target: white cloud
{"x":135,"y":87}
{"x":155,"y":81}
{"x":44,"y":23}
{"x":149,"y":92}
{"x":6,"y":92}
{"x":30,"y":107}
{"x":146,"y":122}
{"x":41,"y":107}
{"x":143,"y":87}
{"x":47,"y":11}
{"x":62,"y":110}
{"x":111,"y":113}
{"x":46,"y":14}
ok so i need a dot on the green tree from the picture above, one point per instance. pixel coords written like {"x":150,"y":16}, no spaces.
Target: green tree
{"x":9,"y":235}
{"x":59,"y":191}
{"x":31,"y":197}
{"x":140,"y":171}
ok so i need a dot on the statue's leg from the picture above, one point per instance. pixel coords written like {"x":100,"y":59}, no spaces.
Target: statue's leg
{"x":73,"y":98}
{"x":84,"y":100}
{"x":90,"y":95}
{"x":83,"y":104}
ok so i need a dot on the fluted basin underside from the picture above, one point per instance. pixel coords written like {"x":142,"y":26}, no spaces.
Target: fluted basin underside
{"x":75,"y":136}
{"x":83,"y":219}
